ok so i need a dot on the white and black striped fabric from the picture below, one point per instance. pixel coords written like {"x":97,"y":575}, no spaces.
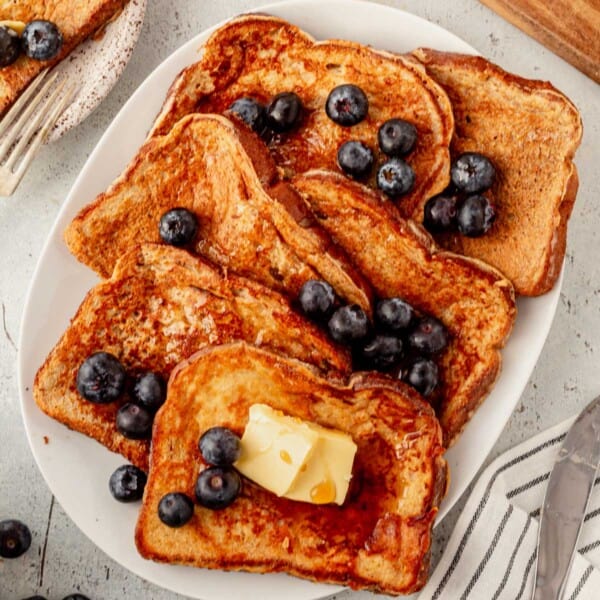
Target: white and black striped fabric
{"x":491,"y":553}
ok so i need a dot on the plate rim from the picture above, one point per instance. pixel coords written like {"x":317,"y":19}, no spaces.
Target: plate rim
{"x":71,"y":205}
{"x":126,"y":46}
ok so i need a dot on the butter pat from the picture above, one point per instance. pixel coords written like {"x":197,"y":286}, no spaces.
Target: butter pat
{"x":294,"y":458}
{"x":328,"y":471}
{"x":274,"y":448}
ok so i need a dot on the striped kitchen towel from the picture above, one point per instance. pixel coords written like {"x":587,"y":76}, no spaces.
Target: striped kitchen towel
{"x":491,"y":553}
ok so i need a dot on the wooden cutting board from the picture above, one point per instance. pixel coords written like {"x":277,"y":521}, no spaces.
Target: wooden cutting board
{"x":570,"y":28}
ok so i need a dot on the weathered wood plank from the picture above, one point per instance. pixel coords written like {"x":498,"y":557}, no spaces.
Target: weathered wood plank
{"x":570,"y":28}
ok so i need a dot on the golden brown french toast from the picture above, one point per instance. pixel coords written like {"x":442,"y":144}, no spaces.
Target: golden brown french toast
{"x":530,"y":131}
{"x":527,"y":128}
{"x":161,"y":305}
{"x":225,"y":177}
{"x":260,"y":56}
{"x":378,"y":539}
{"x":473,"y":300}
{"x":76,"y":19}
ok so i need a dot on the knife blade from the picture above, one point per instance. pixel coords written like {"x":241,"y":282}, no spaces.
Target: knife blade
{"x":565,"y":503}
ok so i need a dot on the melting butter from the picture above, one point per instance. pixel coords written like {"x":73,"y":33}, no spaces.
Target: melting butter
{"x":273,"y":449}
{"x":324,"y":492}
{"x":296,"y":459}
{"x":328,"y":471}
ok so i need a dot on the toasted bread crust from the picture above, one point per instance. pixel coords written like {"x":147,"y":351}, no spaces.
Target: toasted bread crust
{"x":530,"y":131}
{"x":386,"y":547}
{"x":76,"y":19}
{"x":553,"y":258}
{"x":473,"y":300}
{"x":202,"y":165}
{"x":260,"y":56}
{"x":160,"y":306}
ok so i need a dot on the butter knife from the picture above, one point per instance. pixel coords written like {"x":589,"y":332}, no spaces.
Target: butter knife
{"x":565,"y":503}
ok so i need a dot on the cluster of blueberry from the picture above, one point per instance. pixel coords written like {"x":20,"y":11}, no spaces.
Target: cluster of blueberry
{"x":283,"y":113}
{"x":217,"y":486}
{"x":40,"y":40}
{"x":101,"y":378}
{"x":15,"y":540}
{"x":346,"y":105}
{"x":462,"y":206}
{"x":400,"y":342}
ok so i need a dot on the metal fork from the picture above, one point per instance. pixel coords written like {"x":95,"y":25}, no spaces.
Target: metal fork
{"x":26,"y":126}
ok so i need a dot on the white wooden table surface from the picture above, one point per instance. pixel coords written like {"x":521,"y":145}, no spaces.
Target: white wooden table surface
{"x":61,"y":560}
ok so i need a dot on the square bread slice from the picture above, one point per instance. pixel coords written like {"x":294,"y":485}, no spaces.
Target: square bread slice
{"x":530,"y":131}
{"x":260,"y":56}
{"x":378,"y":539}
{"x":160,"y":306}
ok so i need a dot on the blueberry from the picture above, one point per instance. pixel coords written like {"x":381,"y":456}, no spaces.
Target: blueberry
{"x":440,"y":213}
{"x":149,"y":391}
{"x":382,"y":352}
{"x":395,"y":177}
{"x":101,"y":378}
{"x":397,"y":137}
{"x":348,"y":324}
{"x":217,"y":487}
{"x":355,"y":159}
{"x":15,"y":538}
{"x":347,"y":105}
{"x":317,"y":299}
{"x":423,"y":375}
{"x":472,"y":172}
{"x":251,"y":111}
{"x":175,"y":509}
{"x":474,"y":216}
{"x":284,"y":112}
{"x":219,"y":446}
{"x":428,"y":336}
{"x":394,"y":314}
{"x":127,"y":483}
{"x":10,"y":46}
{"x":178,"y":226}
{"x":41,"y":40}
{"x":75,"y":597}
{"x":134,"y":422}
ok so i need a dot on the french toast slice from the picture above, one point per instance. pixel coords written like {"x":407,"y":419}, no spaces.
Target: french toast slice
{"x":530,"y":131}
{"x":260,"y":56}
{"x":77,"y":20}
{"x":248,"y":221}
{"x":160,"y":306}
{"x":379,"y":539}
{"x":474,"y":301}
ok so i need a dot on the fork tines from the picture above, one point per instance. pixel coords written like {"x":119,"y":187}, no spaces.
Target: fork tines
{"x":27,"y":124}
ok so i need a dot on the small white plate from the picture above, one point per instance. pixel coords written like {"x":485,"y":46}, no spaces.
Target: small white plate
{"x":97,"y":64}
{"x":76,"y":468}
